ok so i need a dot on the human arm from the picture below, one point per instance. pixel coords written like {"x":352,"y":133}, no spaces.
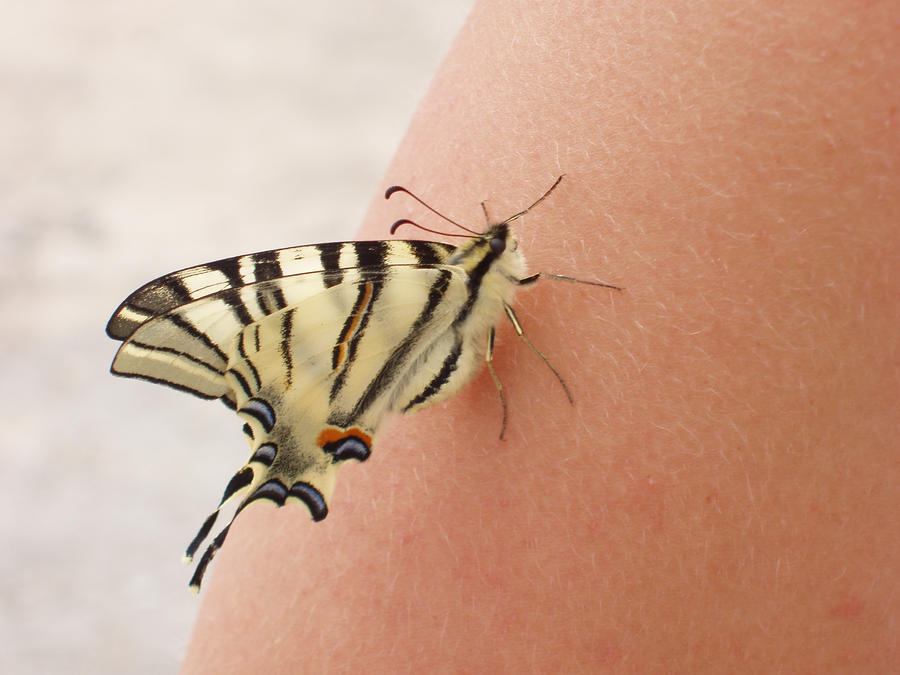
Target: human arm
{"x":724,"y":491}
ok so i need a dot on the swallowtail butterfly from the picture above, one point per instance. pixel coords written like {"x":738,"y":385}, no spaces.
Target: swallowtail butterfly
{"x":313,"y":345}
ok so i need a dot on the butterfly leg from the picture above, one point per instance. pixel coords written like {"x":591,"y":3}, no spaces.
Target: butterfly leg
{"x":559,"y":277}
{"x":510,"y":312}
{"x":489,"y":359}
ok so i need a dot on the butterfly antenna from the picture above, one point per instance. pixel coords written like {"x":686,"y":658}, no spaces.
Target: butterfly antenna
{"x":540,"y":199}
{"x":406,"y":221}
{"x":399,"y":188}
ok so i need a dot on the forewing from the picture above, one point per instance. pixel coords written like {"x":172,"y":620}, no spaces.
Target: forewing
{"x":332,"y":259}
{"x":180,"y":329}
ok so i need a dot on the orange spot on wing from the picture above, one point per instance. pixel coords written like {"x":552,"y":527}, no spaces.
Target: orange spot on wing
{"x":353,"y":325}
{"x":332,"y":434}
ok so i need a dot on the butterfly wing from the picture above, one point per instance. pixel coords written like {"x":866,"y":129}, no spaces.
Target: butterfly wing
{"x":310,"y":359}
{"x":191,"y":352}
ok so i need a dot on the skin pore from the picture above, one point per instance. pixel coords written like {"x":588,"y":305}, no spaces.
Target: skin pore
{"x":723,"y":495}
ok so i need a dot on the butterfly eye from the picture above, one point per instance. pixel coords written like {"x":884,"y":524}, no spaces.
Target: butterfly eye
{"x":498,"y":245}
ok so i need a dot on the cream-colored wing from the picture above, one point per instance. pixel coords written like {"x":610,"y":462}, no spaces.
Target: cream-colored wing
{"x":313,"y":379}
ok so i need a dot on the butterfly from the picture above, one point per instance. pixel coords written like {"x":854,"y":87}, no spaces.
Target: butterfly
{"x":313,"y":345}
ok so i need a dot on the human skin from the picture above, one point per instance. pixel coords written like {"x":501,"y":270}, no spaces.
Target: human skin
{"x":723,"y":496}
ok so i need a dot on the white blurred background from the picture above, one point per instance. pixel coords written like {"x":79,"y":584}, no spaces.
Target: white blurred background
{"x":138,"y":137}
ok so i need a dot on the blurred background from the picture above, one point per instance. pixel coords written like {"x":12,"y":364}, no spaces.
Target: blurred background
{"x":137,"y":138}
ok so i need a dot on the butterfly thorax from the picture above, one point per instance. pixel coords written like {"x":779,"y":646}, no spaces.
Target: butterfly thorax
{"x":494,"y":264}
{"x":494,"y":252}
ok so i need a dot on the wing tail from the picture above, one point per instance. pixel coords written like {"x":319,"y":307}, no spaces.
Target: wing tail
{"x":311,"y":489}
{"x":305,"y":476}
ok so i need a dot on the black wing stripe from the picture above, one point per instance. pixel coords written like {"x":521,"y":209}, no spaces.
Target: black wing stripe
{"x":287,"y":328}
{"x":159,"y":298}
{"x":194,"y":332}
{"x":476,"y":276}
{"x":267,"y":267}
{"x":179,"y":291}
{"x":126,"y":319}
{"x":241,"y":380}
{"x":330,"y":256}
{"x":238,"y":482}
{"x":169,"y":383}
{"x":371,"y":255}
{"x":428,"y":252}
{"x":208,"y":555}
{"x":345,"y":351}
{"x":231,"y":269}
{"x":176,"y":352}
{"x":232,"y":298}
{"x":392,"y":366}
{"x":201,"y":535}
{"x":242,"y":352}
{"x":351,"y":323}
{"x":440,"y":379}
{"x":353,"y":346}
{"x":149,"y":301}
{"x":263,"y":301}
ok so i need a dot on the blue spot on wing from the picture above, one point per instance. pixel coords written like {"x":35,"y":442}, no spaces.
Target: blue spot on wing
{"x":265,"y":454}
{"x":261,"y":411}
{"x":311,"y":497}
{"x":349,"y":447}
